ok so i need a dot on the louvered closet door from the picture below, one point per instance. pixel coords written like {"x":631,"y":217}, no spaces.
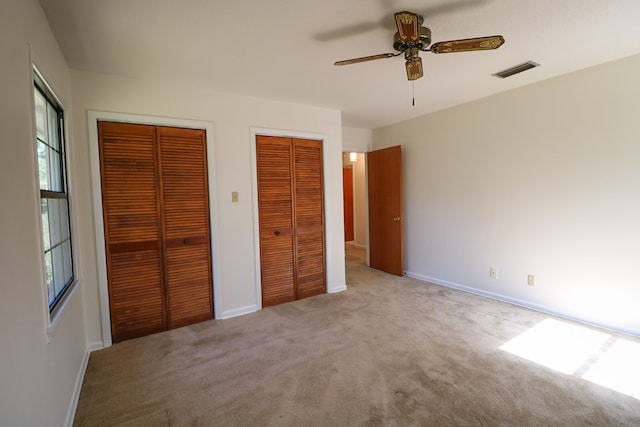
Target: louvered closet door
{"x":186,"y":225}
{"x":291,"y":214}
{"x":158,"y":242}
{"x":275,"y":210}
{"x":309,"y":218}
{"x":132,"y":229}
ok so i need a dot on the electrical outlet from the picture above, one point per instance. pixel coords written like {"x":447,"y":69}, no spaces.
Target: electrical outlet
{"x":531,"y":280}
{"x":493,"y":273}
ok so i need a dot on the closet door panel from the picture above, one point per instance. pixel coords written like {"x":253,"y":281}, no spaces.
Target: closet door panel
{"x":136,"y":294}
{"x":309,"y":218}
{"x":275,"y":187}
{"x":188,"y":284}
{"x":277,"y":269}
{"x":310,"y":263}
{"x":184,"y":192}
{"x":129,"y":180}
{"x":309,"y":210}
{"x":128,"y":164}
{"x":275,"y":212}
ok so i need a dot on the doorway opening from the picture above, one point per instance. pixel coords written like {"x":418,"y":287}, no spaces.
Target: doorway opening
{"x":355,"y":202}
{"x":376,"y":178}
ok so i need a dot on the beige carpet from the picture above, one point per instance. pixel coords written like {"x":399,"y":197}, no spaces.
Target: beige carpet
{"x":390,"y":351}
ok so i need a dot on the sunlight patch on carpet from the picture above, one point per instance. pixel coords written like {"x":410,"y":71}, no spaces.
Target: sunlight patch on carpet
{"x":618,"y":368}
{"x":572,"y":350}
{"x":560,"y":346}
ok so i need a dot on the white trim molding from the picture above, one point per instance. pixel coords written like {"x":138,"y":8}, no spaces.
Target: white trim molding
{"x":346,"y":149}
{"x":93,"y":117}
{"x":228,"y":314}
{"x":77,"y":388}
{"x":336,"y":290}
{"x":518,"y":302}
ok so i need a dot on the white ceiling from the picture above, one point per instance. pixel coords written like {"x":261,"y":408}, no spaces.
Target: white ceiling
{"x":285,"y":49}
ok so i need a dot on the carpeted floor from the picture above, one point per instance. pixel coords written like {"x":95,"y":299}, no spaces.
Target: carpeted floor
{"x":390,"y":351}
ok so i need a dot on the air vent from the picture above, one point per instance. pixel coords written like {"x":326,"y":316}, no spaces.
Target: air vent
{"x":515,"y":70}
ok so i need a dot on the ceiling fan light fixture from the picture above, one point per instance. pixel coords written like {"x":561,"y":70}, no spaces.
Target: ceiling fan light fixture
{"x":414,"y":68}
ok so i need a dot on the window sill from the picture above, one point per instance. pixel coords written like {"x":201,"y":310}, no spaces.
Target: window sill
{"x":58,"y":314}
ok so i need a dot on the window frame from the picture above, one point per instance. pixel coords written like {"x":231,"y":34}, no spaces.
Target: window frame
{"x":64,"y":244}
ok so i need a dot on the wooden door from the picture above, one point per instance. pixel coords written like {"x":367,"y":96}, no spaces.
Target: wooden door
{"x":309,"y":218}
{"x":187,"y":239}
{"x":347,"y":195}
{"x":291,"y":217}
{"x":133,"y":239}
{"x":275,"y":211}
{"x":385,"y":210}
{"x":155,"y":209}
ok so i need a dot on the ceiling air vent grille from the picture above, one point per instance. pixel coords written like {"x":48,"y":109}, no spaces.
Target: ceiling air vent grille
{"x":515,"y":70}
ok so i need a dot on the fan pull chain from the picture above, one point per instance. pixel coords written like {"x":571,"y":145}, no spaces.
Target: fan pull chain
{"x":413,"y":93}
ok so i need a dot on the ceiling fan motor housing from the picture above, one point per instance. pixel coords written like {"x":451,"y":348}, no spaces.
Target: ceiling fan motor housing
{"x":422,"y":44}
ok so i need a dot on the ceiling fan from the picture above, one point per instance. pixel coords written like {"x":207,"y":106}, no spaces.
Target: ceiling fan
{"x":412,"y":37}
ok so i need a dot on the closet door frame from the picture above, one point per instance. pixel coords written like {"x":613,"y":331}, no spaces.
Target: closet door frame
{"x":94,"y":152}
{"x":255,"y":132}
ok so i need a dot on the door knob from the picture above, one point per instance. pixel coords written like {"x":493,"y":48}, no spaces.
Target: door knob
{"x":277,"y":233}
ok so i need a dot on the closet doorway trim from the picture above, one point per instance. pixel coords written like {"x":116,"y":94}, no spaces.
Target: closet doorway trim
{"x":96,"y":190}
{"x":254,"y":184}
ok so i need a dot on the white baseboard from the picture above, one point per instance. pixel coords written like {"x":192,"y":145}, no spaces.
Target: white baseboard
{"x":75,"y":396}
{"x":336,"y":290}
{"x":521,"y":303}
{"x":239,"y":311}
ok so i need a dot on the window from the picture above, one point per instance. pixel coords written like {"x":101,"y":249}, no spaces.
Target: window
{"x":54,"y":200}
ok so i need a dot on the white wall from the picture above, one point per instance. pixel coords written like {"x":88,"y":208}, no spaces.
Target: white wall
{"x":38,"y":374}
{"x":360,"y":213}
{"x":233,"y":118}
{"x":356,"y":139}
{"x":540,"y":180}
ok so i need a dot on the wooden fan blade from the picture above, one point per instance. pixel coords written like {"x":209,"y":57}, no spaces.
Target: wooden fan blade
{"x":466,"y":45}
{"x":365,"y":59}
{"x":414,"y":68}
{"x":408,"y":26}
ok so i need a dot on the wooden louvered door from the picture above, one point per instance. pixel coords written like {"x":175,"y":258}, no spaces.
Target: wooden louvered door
{"x":291,"y":216}
{"x":132,"y":226}
{"x":275,"y":211}
{"x":187,"y":242}
{"x":156,"y":220}
{"x":309,"y":218}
